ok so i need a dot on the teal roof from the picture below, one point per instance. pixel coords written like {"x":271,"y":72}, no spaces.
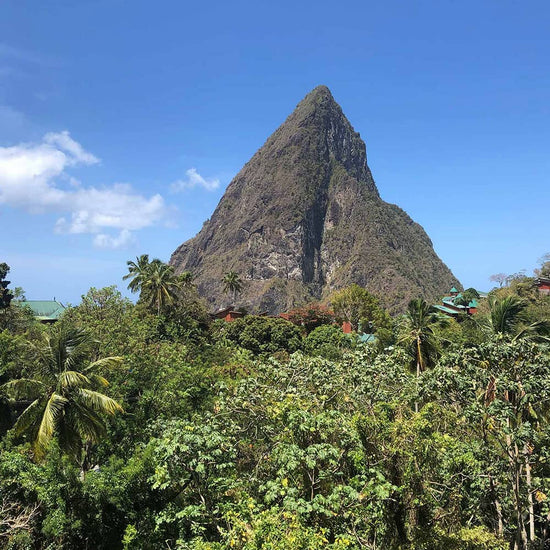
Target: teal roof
{"x":473,"y":303}
{"x":454,"y":289}
{"x":44,"y":310}
{"x":446,"y":310}
{"x":365,"y":338}
{"x":450,"y":301}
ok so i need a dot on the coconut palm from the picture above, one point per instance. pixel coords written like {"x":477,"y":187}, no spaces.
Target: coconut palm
{"x":232,"y":283}
{"x":65,"y":402}
{"x":137,"y":272}
{"x":160,"y":286}
{"x":186,"y":279}
{"x":507,"y":317}
{"x":417,"y":331}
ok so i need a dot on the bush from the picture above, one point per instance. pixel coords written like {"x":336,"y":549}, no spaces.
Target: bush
{"x":328,"y":341}
{"x":264,"y":334}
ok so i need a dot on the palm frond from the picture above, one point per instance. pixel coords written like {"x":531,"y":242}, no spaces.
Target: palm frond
{"x":50,"y":419}
{"x":506,"y":313}
{"x":24,"y":388}
{"x":537,"y":331}
{"x":99,"y":402}
{"x":71,"y":379}
{"x":29,"y":418}
{"x":98,"y":380}
{"x":107,"y":362}
{"x":87,"y":423}
{"x":68,"y":434}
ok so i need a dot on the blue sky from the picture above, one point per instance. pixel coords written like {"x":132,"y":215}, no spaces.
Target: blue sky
{"x":122,"y":122}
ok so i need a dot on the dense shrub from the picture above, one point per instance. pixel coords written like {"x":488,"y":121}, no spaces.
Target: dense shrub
{"x":328,"y":341}
{"x":263,"y":334}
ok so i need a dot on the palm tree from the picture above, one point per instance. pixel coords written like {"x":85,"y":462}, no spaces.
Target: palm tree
{"x":186,"y":279}
{"x":160,"y":286}
{"x":417,"y":332}
{"x":137,"y":272}
{"x":65,"y":402}
{"x":507,"y":317}
{"x":232,"y":283}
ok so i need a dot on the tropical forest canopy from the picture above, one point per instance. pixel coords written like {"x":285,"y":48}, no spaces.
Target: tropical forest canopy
{"x":152,"y":425}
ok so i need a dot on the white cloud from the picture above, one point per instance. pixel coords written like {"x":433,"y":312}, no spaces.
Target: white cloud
{"x":31,"y":176}
{"x":194,"y":179}
{"x":76,"y":152}
{"x":123,"y":239}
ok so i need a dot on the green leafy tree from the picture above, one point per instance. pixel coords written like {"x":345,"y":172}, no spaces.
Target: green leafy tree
{"x":6,"y":295}
{"x":359,"y":307}
{"x":15,"y":319}
{"x":467,"y":296}
{"x":194,"y":469}
{"x":328,"y":341}
{"x":65,"y":402}
{"x":263,"y":334}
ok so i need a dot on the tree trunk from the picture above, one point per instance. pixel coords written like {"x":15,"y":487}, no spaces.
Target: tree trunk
{"x":498,"y":507}
{"x":418,"y":369}
{"x":521,"y":532}
{"x":417,"y":378}
{"x":529,"y":494}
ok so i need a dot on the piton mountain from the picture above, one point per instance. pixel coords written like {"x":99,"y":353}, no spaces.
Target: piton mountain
{"x":304,"y":217}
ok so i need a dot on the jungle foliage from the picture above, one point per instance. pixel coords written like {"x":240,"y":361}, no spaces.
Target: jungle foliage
{"x":153,"y":427}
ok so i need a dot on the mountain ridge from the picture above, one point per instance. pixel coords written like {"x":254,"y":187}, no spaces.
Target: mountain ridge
{"x":304,"y":217}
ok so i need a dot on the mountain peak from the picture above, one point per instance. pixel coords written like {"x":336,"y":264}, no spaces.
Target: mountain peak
{"x":319,"y":101}
{"x":320,"y":91}
{"x":320,"y":129}
{"x":303,"y":218}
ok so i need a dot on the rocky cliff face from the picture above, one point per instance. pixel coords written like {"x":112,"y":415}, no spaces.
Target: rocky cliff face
{"x":304,"y":217}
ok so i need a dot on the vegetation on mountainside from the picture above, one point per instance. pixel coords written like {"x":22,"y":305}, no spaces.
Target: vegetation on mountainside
{"x":304,"y":218}
{"x":264,"y":433}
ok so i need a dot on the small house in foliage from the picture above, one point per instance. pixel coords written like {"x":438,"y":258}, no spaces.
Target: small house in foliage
{"x":453,"y":305}
{"x":543,"y":285}
{"x":228,"y":314}
{"x":45,"y":311}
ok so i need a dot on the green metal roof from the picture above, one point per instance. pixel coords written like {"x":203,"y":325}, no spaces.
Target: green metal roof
{"x":450,"y":301}
{"x":473,"y":303}
{"x":44,"y":310}
{"x":447,"y":310}
{"x":454,"y":289}
{"x":365,"y":338}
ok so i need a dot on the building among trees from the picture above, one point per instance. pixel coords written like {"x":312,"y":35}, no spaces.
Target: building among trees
{"x":457,"y":303}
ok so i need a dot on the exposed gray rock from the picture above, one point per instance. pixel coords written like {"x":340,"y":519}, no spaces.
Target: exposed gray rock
{"x":304,"y":217}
